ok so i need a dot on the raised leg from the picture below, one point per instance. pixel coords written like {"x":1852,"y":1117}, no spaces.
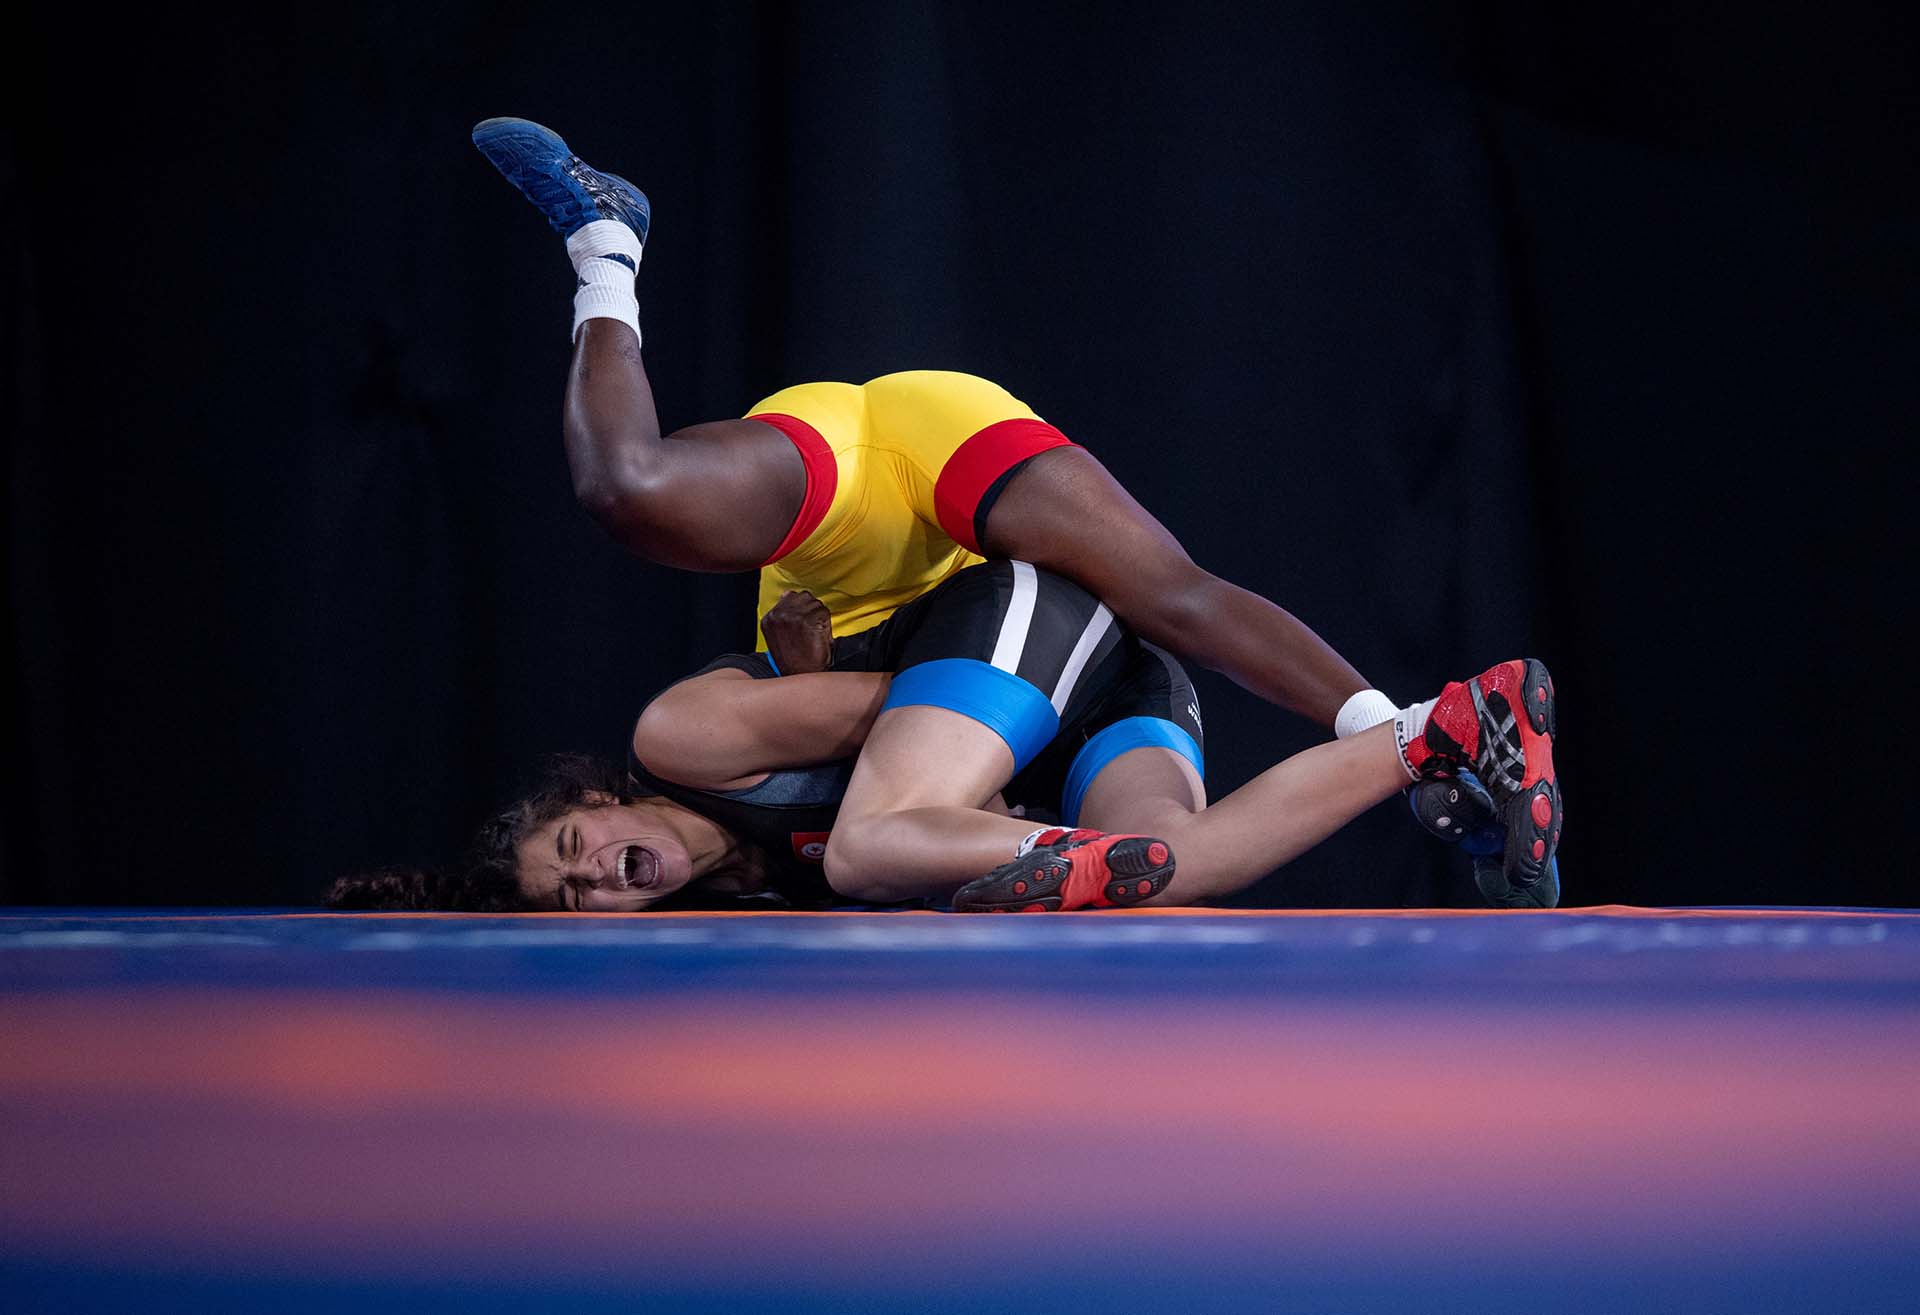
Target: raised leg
{"x":1065,"y":512}
{"x":716,"y":497}
{"x":712,"y":497}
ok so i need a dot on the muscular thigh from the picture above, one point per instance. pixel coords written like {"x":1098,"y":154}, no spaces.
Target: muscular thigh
{"x":1149,"y":789}
{"x":922,"y":756}
{"x":1064,"y":511}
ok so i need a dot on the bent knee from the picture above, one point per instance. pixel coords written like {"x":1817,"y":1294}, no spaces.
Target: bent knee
{"x":619,"y":493}
{"x":848,"y":863}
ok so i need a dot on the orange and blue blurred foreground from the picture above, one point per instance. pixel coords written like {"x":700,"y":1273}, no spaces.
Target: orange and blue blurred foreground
{"x":1599,"y":1110}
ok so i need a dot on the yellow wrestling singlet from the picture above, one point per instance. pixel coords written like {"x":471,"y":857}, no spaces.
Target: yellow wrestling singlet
{"x":897,"y":471}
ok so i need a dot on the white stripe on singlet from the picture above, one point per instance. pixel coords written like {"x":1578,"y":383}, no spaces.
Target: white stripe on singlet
{"x":1097,"y":626}
{"x":1013,"y":627}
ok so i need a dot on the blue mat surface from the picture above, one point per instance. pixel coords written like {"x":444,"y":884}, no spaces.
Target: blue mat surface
{"x":1588,"y":1110}
{"x":1797,"y":951}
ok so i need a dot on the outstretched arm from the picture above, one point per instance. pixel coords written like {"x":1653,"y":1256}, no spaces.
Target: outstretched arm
{"x":725,"y":730}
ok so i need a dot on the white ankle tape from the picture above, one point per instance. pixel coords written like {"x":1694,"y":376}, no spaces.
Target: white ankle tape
{"x":605,"y":301}
{"x":604,"y":237}
{"x":606,"y":257}
{"x":1363,"y":711}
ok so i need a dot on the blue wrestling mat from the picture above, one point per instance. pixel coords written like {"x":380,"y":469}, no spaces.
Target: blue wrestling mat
{"x":1598,"y":1110}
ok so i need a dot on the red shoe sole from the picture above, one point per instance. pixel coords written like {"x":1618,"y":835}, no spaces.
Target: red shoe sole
{"x":1114,"y":873}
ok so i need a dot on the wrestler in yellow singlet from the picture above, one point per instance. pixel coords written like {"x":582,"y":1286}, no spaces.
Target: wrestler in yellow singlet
{"x":900,"y":473}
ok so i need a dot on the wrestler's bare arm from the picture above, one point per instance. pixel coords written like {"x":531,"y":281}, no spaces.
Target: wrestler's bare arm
{"x":725,"y":730}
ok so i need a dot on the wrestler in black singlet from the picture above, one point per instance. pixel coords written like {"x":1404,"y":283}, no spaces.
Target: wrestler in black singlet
{"x":1043,"y":627}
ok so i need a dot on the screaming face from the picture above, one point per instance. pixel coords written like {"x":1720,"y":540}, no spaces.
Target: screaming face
{"x":615,"y":858}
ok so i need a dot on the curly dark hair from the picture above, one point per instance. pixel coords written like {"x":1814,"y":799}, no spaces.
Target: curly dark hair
{"x":483,"y":881}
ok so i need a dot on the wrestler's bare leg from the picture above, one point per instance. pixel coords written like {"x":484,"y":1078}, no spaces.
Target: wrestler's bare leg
{"x":1063,"y":511}
{"x":712,"y":497}
{"x":913,"y":824}
{"x":1222,"y":848}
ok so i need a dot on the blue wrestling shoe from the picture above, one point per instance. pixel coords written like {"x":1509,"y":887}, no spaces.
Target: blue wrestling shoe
{"x":569,"y":194}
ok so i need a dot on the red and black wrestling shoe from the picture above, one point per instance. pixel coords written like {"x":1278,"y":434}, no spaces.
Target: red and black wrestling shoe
{"x":1059,"y":870}
{"x":1500,"y":725}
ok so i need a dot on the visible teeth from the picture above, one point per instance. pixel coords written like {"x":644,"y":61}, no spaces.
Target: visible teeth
{"x":626,"y":866}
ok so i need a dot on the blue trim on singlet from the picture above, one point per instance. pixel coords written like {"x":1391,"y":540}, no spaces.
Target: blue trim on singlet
{"x":771,"y":663}
{"x":1010,"y":707}
{"x":1114,"y":740}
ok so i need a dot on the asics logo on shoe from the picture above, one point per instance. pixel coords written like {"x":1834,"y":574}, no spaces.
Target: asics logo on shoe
{"x":620,"y":258}
{"x":1501,"y":754}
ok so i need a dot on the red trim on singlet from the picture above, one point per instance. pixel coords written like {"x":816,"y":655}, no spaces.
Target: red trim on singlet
{"x":823,"y":477}
{"x":978,"y":462}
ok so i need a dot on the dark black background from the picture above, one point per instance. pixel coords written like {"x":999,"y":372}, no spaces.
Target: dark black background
{"x":1462,"y":330}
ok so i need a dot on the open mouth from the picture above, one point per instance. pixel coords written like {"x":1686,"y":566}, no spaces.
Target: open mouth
{"x":638,"y":868}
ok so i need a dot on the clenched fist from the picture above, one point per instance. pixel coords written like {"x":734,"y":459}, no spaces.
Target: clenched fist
{"x":799,"y":632}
